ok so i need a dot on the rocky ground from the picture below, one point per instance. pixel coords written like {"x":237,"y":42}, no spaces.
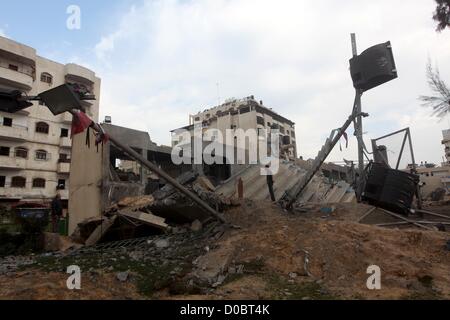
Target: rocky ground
{"x":273,"y":255}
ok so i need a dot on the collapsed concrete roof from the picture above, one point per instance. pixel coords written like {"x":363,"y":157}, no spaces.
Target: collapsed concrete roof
{"x":134,"y":138}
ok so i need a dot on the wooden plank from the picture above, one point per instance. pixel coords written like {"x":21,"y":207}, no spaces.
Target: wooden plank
{"x":146,"y":218}
{"x":100,"y":231}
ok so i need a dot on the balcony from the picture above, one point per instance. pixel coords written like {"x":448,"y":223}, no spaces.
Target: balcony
{"x":79,"y":73}
{"x":12,"y":163}
{"x":12,"y":193}
{"x":14,"y":133}
{"x":64,"y":167}
{"x":65,"y":142}
{"x":15,"y":79}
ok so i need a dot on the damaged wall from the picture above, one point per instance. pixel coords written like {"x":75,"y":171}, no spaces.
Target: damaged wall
{"x":86,"y":171}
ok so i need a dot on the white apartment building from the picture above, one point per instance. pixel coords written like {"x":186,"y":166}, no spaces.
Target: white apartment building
{"x":35,"y":145}
{"x":246,"y":113}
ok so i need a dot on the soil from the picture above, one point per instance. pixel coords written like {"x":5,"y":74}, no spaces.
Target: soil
{"x":273,"y":255}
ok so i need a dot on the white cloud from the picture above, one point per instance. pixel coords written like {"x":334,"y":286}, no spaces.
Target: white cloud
{"x":164,"y":59}
{"x":2,"y":33}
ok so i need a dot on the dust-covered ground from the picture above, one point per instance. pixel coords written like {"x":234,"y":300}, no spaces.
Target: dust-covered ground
{"x":273,"y":255}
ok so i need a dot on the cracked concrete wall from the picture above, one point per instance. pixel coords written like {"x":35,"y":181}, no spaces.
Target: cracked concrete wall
{"x":86,"y":173}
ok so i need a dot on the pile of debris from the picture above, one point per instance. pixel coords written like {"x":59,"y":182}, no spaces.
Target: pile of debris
{"x":134,"y":217}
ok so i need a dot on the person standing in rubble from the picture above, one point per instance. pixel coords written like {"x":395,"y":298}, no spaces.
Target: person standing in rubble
{"x":269,"y":177}
{"x":56,"y":212}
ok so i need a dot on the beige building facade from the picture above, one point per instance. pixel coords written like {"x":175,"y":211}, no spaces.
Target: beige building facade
{"x":245,"y":114}
{"x":35,"y":145}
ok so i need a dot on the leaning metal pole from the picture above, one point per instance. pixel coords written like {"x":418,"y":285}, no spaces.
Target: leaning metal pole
{"x":151,"y":166}
{"x":358,"y":128}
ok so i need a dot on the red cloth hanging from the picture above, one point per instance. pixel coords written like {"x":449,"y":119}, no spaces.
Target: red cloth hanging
{"x":80,"y":122}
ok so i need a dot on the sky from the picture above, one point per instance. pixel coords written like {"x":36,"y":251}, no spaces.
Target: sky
{"x":161,"y":60}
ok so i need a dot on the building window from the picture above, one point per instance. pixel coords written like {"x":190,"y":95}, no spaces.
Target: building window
{"x":13,"y":67}
{"x":64,"y":158}
{"x":197,"y":119}
{"x":7,"y":122}
{"x":293,"y":134}
{"x":18,"y":182}
{"x":244,"y":110}
{"x":42,"y":127}
{"x":46,"y":77}
{"x":260,"y":120}
{"x":39,"y":183}
{"x":21,"y":153}
{"x":61,"y":184}
{"x":41,"y":155}
{"x":4,"y":151}
{"x":64,"y":133}
{"x":2,"y":181}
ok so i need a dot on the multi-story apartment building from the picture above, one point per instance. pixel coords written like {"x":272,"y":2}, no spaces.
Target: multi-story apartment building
{"x":35,"y":145}
{"x":244,"y":114}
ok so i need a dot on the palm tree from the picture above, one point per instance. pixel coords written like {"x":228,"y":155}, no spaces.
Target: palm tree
{"x":440,"y":100}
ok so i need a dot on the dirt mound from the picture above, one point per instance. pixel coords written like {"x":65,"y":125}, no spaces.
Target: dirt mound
{"x":315,"y":254}
{"x":332,"y":254}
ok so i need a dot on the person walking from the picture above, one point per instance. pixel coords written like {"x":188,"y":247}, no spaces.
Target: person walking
{"x":56,"y":212}
{"x":270,"y":183}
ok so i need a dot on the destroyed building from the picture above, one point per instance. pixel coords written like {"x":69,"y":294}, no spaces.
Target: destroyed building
{"x":246,"y":113}
{"x":97,"y":180}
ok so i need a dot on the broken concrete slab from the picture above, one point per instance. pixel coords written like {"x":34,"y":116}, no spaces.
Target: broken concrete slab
{"x":54,"y":242}
{"x":146,"y":218}
{"x":205,"y":183}
{"x":100,"y":231}
{"x":138,"y":202}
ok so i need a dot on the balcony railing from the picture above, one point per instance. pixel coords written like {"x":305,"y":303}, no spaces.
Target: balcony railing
{"x":14,"y":132}
{"x":16,"y":78}
{"x":65,"y":142}
{"x":12,"y":162}
{"x":64,"y":167}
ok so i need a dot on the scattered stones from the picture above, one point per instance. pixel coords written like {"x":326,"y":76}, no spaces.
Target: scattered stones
{"x":122,"y":276}
{"x":293,"y":275}
{"x":162,"y":243}
{"x":196,"y":226}
{"x":219,"y":281}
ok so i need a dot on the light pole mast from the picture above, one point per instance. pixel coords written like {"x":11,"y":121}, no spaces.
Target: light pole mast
{"x":358,"y":126}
